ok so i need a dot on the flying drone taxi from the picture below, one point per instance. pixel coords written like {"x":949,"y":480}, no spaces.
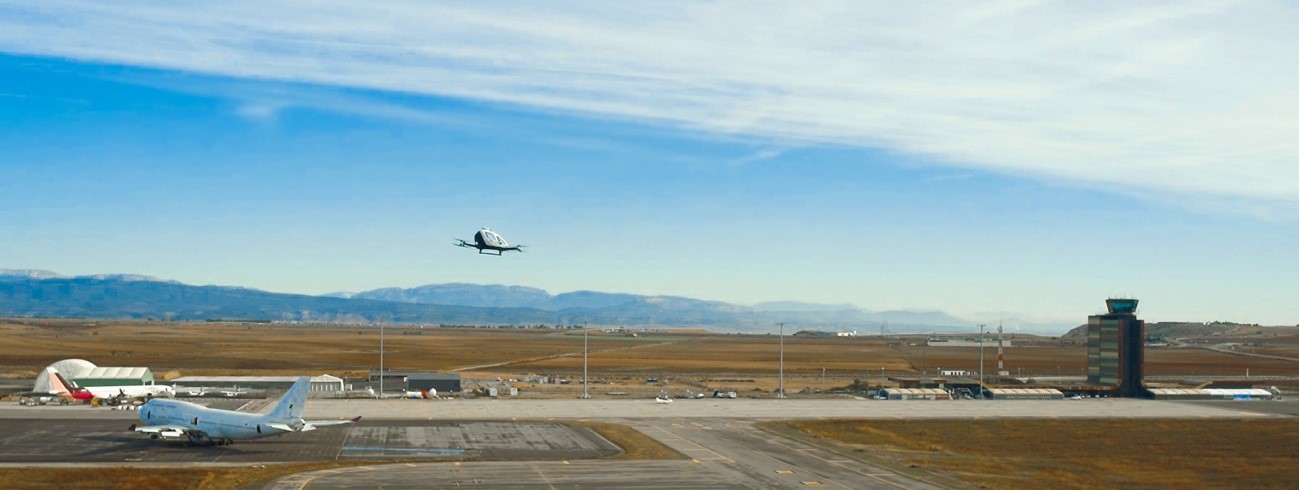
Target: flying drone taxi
{"x":490,"y":241}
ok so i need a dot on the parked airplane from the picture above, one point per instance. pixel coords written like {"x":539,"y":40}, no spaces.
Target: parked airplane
{"x":131,"y":391}
{"x":59,"y":388}
{"x":175,"y":419}
{"x":422,"y":394}
{"x":489,"y":240}
{"x":196,"y":391}
{"x":234,"y":392}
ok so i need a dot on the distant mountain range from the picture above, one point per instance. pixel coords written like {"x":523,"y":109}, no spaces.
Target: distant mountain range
{"x":28,"y":293}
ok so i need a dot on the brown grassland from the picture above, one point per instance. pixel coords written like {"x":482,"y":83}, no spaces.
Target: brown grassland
{"x":173,"y":349}
{"x":1095,"y":453}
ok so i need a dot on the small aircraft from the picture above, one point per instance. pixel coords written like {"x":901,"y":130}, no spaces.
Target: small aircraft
{"x":175,"y":419}
{"x":234,"y":392}
{"x":490,"y":241}
{"x":421,"y":394}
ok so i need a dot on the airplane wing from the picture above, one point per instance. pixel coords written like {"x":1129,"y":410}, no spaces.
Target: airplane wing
{"x":306,"y":425}
{"x":167,"y":431}
{"x":312,"y":424}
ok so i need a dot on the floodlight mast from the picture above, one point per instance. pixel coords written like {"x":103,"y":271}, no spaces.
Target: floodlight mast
{"x":780,"y":391}
{"x":981,"y":361}
{"x":585,"y":351}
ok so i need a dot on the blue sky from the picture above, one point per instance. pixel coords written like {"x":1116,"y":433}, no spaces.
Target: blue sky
{"x":1015,"y":160}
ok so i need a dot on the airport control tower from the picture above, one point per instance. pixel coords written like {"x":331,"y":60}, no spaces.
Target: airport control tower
{"x":1115,"y":348}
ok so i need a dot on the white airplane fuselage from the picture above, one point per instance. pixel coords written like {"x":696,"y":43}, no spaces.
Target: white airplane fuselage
{"x":132,"y":391}
{"x":217,"y":424}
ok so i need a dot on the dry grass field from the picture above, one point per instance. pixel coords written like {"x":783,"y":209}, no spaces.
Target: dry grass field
{"x":1075,"y":453}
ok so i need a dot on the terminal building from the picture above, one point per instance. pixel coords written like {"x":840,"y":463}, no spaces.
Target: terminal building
{"x":1115,"y":349}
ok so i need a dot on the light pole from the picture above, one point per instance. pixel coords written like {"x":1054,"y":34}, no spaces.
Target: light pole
{"x":980,"y":361}
{"x":780,"y":391}
{"x":381,"y":374}
{"x":585,"y":395}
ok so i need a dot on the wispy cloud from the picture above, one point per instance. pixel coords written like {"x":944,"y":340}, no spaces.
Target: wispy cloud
{"x":1183,"y":98}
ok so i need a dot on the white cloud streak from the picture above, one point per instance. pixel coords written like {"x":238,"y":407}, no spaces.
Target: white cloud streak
{"x":1180,"y":98}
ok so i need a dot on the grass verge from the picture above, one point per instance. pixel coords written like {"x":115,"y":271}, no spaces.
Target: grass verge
{"x":634,"y":444}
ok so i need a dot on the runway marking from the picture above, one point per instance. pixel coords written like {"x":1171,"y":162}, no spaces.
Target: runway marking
{"x":784,"y":472}
{"x":543,"y":477}
{"x":812,"y":483}
{"x":698,"y":446}
{"x":754,"y":433}
{"x":430,"y":450}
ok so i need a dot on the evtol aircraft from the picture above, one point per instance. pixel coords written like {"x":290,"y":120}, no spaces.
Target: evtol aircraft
{"x":196,"y":424}
{"x":490,"y":241}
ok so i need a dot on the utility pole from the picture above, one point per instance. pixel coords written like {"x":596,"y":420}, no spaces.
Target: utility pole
{"x":980,"y":361}
{"x":780,"y":392}
{"x":585,"y":350}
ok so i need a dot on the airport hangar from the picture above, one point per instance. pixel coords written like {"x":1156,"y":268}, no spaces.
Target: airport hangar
{"x":322,"y":383}
{"x":85,"y":373}
{"x":419,"y":380}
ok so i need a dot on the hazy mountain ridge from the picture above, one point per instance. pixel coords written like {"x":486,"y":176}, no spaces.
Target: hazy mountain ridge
{"x":659,"y":309}
{"x":44,"y":293}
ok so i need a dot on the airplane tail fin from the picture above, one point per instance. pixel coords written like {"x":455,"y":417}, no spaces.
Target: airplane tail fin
{"x":291,"y":404}
{"x":57,"y":383}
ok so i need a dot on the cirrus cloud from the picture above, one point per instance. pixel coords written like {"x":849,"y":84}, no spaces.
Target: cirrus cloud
{"x":1177,"y":98}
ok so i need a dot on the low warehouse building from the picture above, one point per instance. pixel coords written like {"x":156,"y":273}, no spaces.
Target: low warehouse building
{"x":323,"y":382}
{"x":443,"y":383}
{"x":115,"y":376}
{"x":1210,"y":394}
{"x":1025,"y":394}
{"x":916,"y":394}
